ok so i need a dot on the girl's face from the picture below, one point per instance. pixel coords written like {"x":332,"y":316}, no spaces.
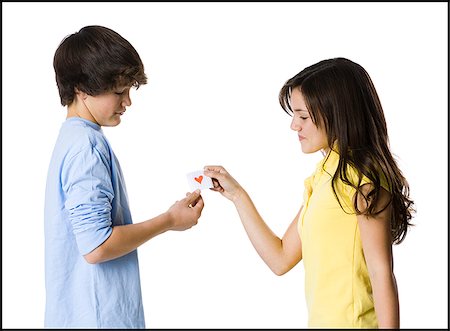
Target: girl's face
{"x":311,"y":137}
{"x":104,"y":109}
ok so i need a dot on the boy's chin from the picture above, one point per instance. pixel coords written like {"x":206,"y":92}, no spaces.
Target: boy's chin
{"x":113,"y":123}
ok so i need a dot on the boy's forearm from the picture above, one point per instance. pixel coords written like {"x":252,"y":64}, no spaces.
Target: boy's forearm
{"x":126,"y":238}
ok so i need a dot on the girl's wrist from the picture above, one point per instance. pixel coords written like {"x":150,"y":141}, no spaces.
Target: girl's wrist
{"x":238,"y":196}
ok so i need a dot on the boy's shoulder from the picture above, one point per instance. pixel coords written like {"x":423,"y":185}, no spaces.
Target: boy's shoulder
{"x":78,"y":134}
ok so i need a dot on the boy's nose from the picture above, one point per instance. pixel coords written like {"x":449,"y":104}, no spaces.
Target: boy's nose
{"x":126,"y":101}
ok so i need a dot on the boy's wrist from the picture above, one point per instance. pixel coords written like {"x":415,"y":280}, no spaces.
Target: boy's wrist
{"x":168,"y":220}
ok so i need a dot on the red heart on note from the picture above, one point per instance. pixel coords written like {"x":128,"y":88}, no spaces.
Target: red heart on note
{"x":199,"y":179}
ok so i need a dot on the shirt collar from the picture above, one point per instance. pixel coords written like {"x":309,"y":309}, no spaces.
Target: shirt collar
{"x":330,"y":162}
{"x":93,"y":125}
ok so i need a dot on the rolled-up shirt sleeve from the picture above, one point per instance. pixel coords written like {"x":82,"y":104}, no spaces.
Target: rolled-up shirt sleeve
{"x":86,"y":181}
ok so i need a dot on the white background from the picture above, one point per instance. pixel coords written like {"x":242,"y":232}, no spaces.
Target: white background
{"x":214,"y":71}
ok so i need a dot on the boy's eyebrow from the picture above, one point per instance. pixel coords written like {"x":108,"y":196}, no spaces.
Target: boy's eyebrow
{"x":121,"y":88}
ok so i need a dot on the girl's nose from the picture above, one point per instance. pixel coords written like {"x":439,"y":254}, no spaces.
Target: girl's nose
{"x":295,"y":125}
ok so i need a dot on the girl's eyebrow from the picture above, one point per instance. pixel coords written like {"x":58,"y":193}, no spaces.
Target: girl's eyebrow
{"x":299,"y":110}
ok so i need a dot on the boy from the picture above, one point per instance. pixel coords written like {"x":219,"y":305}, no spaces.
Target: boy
{"x":91,"y":263}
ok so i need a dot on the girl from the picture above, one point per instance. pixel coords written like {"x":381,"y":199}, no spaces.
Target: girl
{"x":356,"y":203}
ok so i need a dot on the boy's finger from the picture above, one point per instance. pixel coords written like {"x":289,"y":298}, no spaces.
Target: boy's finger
{"x":199,"y":204}
{"x":192,"y":197}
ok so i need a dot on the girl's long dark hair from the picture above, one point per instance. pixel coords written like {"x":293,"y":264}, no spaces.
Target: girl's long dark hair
{"x":340,"y":95}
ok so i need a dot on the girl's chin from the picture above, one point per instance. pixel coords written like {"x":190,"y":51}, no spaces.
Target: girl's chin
{"x":309,"y":150}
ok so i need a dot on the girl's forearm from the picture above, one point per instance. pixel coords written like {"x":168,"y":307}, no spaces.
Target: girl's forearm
{"x":267,"y":244}
{"x":386,"y":301}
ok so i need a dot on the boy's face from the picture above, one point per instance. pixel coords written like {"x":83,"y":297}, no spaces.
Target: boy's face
{"x":107,"y":108}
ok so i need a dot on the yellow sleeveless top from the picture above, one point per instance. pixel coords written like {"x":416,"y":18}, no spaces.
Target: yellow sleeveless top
{"x":337,"y":284}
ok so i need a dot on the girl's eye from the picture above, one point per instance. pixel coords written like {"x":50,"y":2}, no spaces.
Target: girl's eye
{"x":301,"y":116}
{"x":119,"y":93}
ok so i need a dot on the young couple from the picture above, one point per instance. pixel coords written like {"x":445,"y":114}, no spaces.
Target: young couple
{"x":356,"y":201}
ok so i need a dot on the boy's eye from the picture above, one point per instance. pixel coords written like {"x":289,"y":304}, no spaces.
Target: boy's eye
{"x":303,"y":118}
{"x":119,"y":93}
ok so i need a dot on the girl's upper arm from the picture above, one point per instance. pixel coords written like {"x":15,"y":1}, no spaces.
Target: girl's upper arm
{"x":375,"y":232}
{"x":292,"y":244}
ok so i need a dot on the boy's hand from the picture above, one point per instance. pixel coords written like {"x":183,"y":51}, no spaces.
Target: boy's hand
{"x":223,"y":182}
{"x":185,"y":213}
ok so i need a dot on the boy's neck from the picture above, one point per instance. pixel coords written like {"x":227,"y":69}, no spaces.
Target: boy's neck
{"x":77,"y":109}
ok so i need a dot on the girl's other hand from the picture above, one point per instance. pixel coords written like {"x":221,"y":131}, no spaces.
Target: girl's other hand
{"x":223,"y":182}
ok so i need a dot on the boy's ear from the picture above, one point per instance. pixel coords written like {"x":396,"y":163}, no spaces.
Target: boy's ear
{"x":80,"y":94}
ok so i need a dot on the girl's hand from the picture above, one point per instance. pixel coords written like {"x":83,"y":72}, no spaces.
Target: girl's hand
{"x":223,"y":182}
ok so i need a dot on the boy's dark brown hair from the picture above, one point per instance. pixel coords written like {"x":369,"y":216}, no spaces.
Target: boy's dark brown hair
{"x":96,"y":60}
